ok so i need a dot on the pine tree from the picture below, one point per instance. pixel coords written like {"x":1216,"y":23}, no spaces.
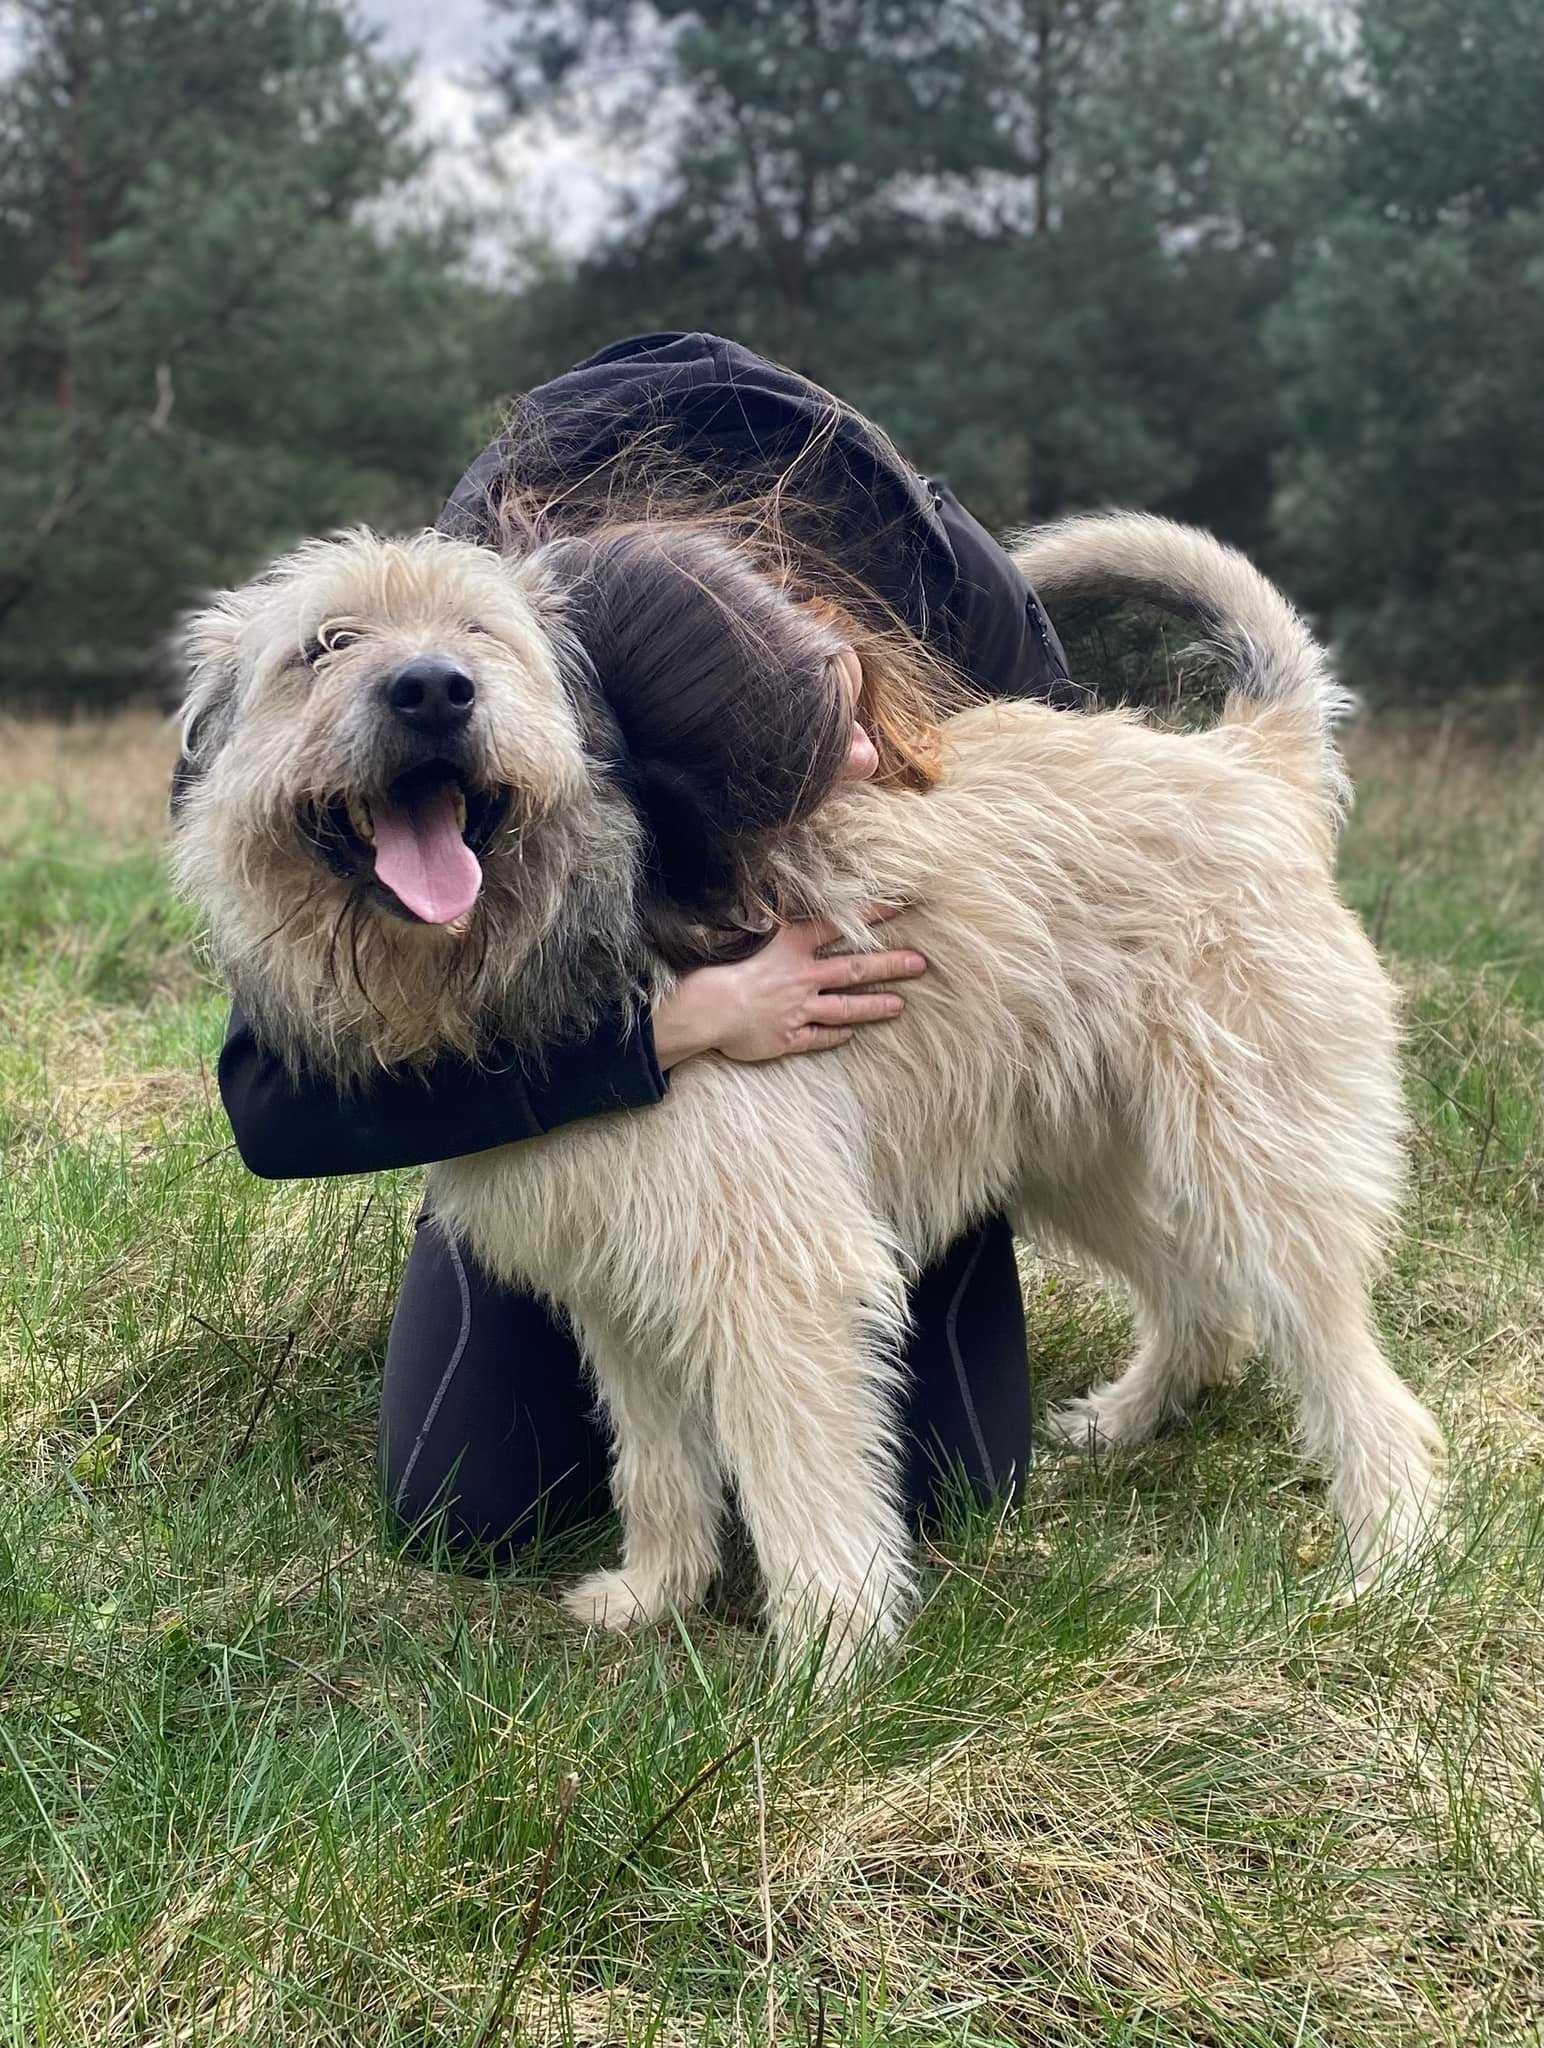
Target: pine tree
{"x":1036,"y":238}
{"x":1411,"y":487}
{"x":208,"y":345}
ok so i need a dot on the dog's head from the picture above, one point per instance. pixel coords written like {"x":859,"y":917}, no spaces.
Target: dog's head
{"x":386,"y":803}
{"x":430,"y":791}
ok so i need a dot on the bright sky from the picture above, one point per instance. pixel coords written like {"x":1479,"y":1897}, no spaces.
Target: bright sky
{"x":559,"y":183}
{"x":446,"y":34}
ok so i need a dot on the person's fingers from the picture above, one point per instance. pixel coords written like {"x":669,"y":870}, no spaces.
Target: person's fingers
{"x":867,"y":1009}
{"x":861,"y":970}
{"x":820,"y":1038}
{"x":815,"y":933}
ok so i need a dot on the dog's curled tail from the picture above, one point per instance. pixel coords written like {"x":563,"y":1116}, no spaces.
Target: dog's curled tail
{"x":1283,"y":684}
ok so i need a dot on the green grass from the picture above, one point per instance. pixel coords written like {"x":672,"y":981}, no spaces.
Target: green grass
{"x":1133,"y":1777}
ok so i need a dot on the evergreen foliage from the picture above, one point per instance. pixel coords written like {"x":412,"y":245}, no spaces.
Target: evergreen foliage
{"x":1274,"y":268}
{"x":211,"y":344}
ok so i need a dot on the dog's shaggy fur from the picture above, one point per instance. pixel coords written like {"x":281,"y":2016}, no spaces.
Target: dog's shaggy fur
{"x":1150,"y":1031}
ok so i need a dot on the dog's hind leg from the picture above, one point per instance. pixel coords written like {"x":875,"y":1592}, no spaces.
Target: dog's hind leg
{"x":1182,"y":1348}
{"x":668,"y":1487}
{"x":1189,"y":1333}
{"x":1380,"y":1447}
{"x":1297,"y":1184}
{"x":1293,"y":1278}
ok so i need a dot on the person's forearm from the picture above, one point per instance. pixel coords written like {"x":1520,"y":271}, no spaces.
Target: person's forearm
{"x":792,"y":996}
{"x":299,"y":1128}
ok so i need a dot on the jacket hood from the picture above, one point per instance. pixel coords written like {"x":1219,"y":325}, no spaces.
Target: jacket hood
{"x":728,"y":407}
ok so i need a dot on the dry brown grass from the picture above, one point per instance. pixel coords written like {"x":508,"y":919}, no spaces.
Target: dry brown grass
{"x":99,"y":779}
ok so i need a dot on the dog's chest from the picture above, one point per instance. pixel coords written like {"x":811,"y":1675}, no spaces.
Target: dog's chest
{"x":523,"y":1211}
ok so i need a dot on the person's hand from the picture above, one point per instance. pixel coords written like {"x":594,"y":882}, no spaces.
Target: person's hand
{"x":784,"y":999}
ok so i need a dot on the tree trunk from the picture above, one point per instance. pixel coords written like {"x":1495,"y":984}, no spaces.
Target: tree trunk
{"x":1043,"y":93}
{"x":75,"y":221}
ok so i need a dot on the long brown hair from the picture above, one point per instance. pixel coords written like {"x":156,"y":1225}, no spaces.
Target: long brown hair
{"x":776,"y":516}
{"x":712,"y":700}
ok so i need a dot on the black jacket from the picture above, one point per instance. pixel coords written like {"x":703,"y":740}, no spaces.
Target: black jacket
{"x":910,"y":539}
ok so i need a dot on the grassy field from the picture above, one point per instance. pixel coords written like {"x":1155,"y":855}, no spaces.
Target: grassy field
{"x":1133,"y":1779}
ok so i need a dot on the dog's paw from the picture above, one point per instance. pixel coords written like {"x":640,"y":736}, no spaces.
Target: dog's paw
{"x":616,"y":1602}
{"x":1392,"y":1501}
{"x":1101,"y":1419}
{"x":835,"y":1638}
{"x":1384,"y":1550}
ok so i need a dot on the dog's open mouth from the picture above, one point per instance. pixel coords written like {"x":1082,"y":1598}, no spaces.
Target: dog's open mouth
{"x":419,"y":842}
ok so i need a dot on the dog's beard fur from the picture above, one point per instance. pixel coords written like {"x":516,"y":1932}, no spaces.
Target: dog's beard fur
{"x":1150,"y":1031}
{"x":335,"y":988}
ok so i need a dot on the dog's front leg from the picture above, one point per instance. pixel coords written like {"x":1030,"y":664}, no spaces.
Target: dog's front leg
{"x":805,"y":1418}
{"x":667,"y":1485}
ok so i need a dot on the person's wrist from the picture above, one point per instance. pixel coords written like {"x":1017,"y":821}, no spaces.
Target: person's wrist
{"x":688,"y":1020}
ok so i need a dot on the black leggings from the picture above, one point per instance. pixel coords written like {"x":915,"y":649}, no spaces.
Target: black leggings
{"x":488,"y":1426}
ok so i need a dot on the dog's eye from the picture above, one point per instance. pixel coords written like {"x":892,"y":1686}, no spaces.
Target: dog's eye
{"x":472,"y":626}
{"x":328,"y":643}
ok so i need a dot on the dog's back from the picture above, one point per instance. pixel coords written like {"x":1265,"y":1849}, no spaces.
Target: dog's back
{"x":1123,"y":926}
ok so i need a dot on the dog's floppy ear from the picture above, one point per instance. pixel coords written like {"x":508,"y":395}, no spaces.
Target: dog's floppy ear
{"x":206,"y":647}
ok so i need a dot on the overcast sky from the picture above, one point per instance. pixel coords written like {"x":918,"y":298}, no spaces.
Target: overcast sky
{"x":446,"y":34}
{"x":562,"y":183}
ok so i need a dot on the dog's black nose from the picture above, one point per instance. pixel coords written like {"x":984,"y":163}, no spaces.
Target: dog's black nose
{"x":432,"y":695}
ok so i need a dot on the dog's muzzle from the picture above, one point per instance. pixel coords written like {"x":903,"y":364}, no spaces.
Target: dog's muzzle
{"x":416,"y":833}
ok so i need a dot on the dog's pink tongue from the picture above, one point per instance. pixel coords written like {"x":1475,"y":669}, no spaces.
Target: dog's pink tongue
{"x":422,"y":859}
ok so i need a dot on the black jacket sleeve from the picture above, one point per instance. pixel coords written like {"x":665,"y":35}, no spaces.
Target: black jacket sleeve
{"x":289,"y":1129}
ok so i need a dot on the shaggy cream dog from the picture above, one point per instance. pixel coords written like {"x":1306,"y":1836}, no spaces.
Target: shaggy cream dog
{"x":1151,"y":1031}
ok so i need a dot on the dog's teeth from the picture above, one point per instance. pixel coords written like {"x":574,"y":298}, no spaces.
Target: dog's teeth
{"x":461,"y":812}
{"x":359,"y":817}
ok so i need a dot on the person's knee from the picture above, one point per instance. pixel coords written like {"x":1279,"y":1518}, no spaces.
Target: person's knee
{"x":429,"y":1519}
{"x":478,"y":1460}
{"x":469,"y":1521}
{"x":968,"y":1400}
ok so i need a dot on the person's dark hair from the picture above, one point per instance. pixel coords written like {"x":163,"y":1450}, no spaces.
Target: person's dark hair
{"x":783,"y":512}
{"x":710,"y":591}
{"x":716,"y":702}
